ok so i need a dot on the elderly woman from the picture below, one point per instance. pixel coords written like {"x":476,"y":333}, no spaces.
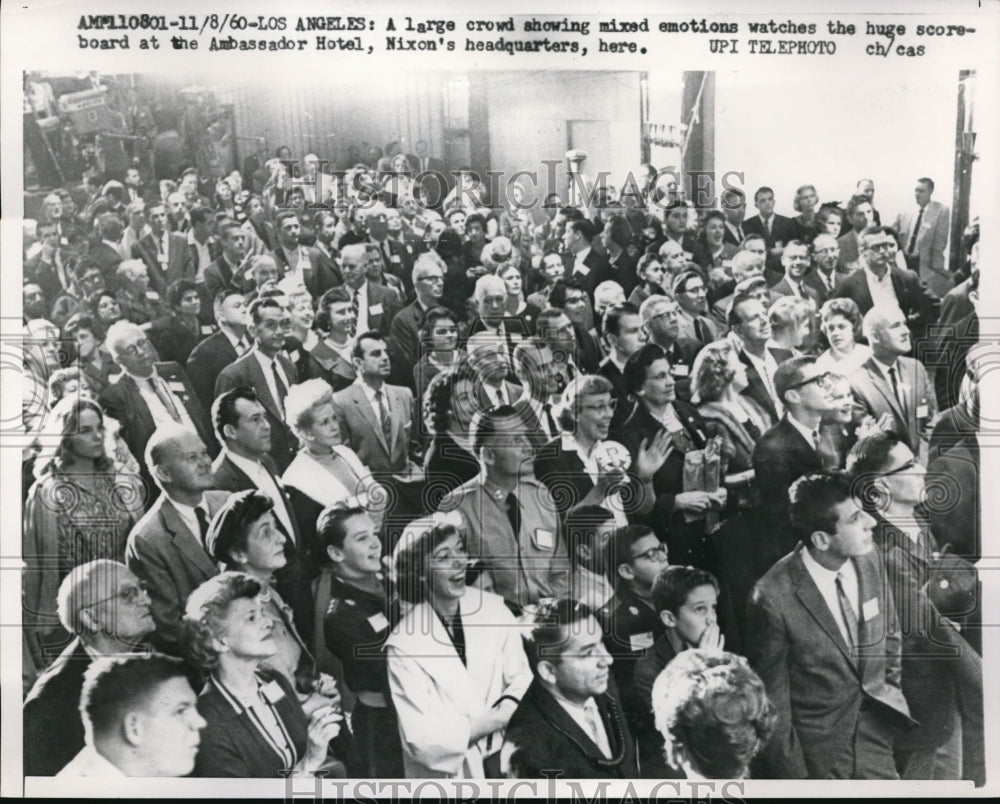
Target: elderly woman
{"x":256,"y":725}
{"x":792,"y":320}
{"x":79,"y":509}
{"x":652,"y":275}
{"x":449,"y":404}
{"x":840,"y":323}
{"x":358,"y":616}
{"x":713,"y":713}
{"x":93,"y":358}
{"x":176,"y":335}
{"x":325,"y":471}
{"x":437,"y":348}
{"x":678,"y":516}
{"x":457,"y":667}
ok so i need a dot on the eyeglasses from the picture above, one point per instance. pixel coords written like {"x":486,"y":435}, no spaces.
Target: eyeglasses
{"x":129,"y":595}
{"x":821,"y":380}
{"x":665,"y":314}
{"x":133,"y":350}
{"x":658,"y":553}
{"x":881,"y":247}
{"x":433,"y":279}
{"x":904,"y":468}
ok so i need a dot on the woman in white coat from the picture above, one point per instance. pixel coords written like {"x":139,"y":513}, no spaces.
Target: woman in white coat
{"x":457,"y":667}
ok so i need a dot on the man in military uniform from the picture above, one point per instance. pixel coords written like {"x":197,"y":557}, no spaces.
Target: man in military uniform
{"x":509,"y":517}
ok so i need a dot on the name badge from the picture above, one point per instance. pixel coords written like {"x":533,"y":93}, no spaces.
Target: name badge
{"x":152,"y":295}
{"x":922,"y":410}
{"x":394,"y":258}
{"x":680,"y":370}
{"x":63,"y":241}
{"x":544,"y":539}
{"x":176,"y":387}
{"x":207,"y":329}
{"x":378,"y":622}
{"x":869,"y":609}
{"x":293,"y":356}
{"x":272,"y":691}
{"x":146,"y":326}
{"x":375,"y":309}
{"x":727,"y":264}
{"x":642,"y":641}
{"x":582,"y":269}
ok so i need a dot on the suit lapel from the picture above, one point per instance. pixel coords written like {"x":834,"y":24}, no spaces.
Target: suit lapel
{"x":882,"y":386}
{"x":809,"y":594}
{"x":360,"y":399}
{"x":188,"y":544}
{"x":871,"y":618}
{"x":136,"y":402}
{"x":260,"y":383}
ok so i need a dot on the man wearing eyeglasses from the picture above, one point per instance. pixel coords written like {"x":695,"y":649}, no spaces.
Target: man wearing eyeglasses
{"x":404,"y":332}
{"x":661,"y":316}
{"x":825,"y":278}
{"x":795,"y":261}
{"x":891,"y":387}
{"x":790,"y":449}
{"x":148,"y":394}
{"x":691,"y":293}
{"x":108,"y":610}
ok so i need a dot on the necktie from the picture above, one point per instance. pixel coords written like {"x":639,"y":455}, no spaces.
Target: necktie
{"x":847,"y":611}
{"x":354,"y":307}
{"x":767,"y":227}
{"x":241,"y":347}
{"x":916,"y":230}
{"x":202,"y":518}
{"x":501,"y":397}
{"x":896,"y":390}
{"x":815,"y":435}
{"x":166,"y":398}
{"x":550,"y":421}
{"x":383,"y":412}
{"x":279,"y":382}
{"x":514,"y":514}
{"x":597,"y":731}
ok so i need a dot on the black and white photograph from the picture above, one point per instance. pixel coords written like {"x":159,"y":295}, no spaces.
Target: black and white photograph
{"x":499,"y":402}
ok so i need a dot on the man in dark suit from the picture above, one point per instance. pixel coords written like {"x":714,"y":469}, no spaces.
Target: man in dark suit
{"x":244,"y":430}
{"x":661,"y":322}
{"x":166,"y":548}
{"x":404,"y":332}
{"x":795,"y":261}
{"x":734,"y":207}
{"x":374,"y":305}
{"x":165,"y":253}
{"x":148,"y":394}
{"x":266,"y":369}
{"x":891,"y":388}
{"x":431,"y":174}
{"x":749,"y":322}
{"x":825,"y":278}
{"x":860,"y":216}
{"x":217,"y":351}
{"x":396,"y":260}
{"x":104,"y":605}
{"x":570,"y":717}
{"x":676,"y":220}
{"x":536,"y":370}
{"x":881,"y":282}
{"x":316,"y":271}
{"x":824,"y":637}
{"x":940,"y":669}
{"x":580,"y":259}
{"x":228,"y":269}
{"x":790,"y":449}
{"x":106,"y":252}
{"x":376,"y":419}
{"x":624,"y":334}
{"x":777,"y":231}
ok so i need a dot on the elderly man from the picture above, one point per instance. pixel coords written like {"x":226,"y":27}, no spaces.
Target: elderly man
{"x":536,"y":370}
{"x":895,"y":390}
{"x":148,"y":394}
{"x":404,"y":333}
{"x":510,"y":520}
{"x":166,"y":548}
{"x":107,"y":609}
{"x":923,"y":237}
{"x":141,"y":719}
{"x":374,"y":305}
{"x":488,"y":361}
{"x":491,"y":302}
{"x":661,"y":320}
{"x":139,"y":304}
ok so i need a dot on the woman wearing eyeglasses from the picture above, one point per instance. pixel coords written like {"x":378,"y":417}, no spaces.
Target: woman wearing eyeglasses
{"x":257,"y":726}
{"x":457,"y":668}
{"x":79,"y":509}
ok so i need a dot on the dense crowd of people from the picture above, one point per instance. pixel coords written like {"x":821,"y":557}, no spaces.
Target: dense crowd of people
{"x":376,"y":475}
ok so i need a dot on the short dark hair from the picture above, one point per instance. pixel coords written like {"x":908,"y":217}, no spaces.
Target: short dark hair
{"x":283,"y":216}
{"x":431,"y":317}
{"x":371,"y":335}
{"x":549,"y":636}
{"x":618,"y":230}
{"x":613,"y":316}
{"x":475,"y":217}
{"x":866,"y":462}
{"x":760,"y":190}
{"x":176,"y":291}
{"x":557,"y":295}
{"x":928,"y":182}
{"x":812,"y":498}
{"x":330,"y":527}
{"x":224,"y":408}
{"x":790,"y":372}
{"x":583,"y":227}
{"x":410,"y":561}
{"x":225,"y":293}
{"x":229,"y":527}
{"x":489,"y":426}
{"x":439,"y":396}
{"x":621,"y":547}
{"x":581,"y":525}
{"x":200,"y":215}
{"x":115,"y":685}
{"x":85,"y":322}
{"x":674,"y":584}
{"x":263,"y":303}
{"x":638,"y":364}
{"x":572,"y":213}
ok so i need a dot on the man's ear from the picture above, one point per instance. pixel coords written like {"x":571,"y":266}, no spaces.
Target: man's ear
{"x":132,"y":728}
{"x":89,"y":622}
{"x":820,"y":539}
{"x":625,"y":571}
{"x":668,"y":619}
{"x":334,"y":554}
{"x":546,"y":671}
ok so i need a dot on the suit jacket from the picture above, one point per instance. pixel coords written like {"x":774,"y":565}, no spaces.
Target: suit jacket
{"x":932,"y":239}
{"x":784,"y":288}
{"x":782,"y":231}
{"x":122,"y":401}
{"x":383,"y":304}
{"x":108,"y":259}
{"x":823,"y":294}
{"x":163,"y":552}
{"x":53,"y":728}
{"x":179,"y":264}
{"x":873,"y":396}
{"x":756,"y":389}
{"x":206,"y":362}
{"x":174,"y":341}
{"x":782,"y":455}
{"x":248,"y":371}
{"x":541,"y":735}
{"x":319,"y":276}
{"x":916,"y":302}
{"x":361,"y":431}
{"x":598,"y":270}
{"x":404,"y":343}
{"x":816,"y":686}
{"x":849,"y":252}
{"x":219,"y":275}
{"x":324,"y":363}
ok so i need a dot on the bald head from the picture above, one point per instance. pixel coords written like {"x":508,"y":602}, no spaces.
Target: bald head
{"x":179,"y":462}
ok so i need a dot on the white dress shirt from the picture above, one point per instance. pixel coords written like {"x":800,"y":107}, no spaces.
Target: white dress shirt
{"x":613,"y":501}
{"x":189,"y":517}
{"x":157,"y":409}
{"x":807,"y":434}
{"x":587,"y":717}
{"x":204,"y":256}
{"x":882,"y":292}
{"x":362,"y":323}
{"x":370,"y":396}
{"x":265,"y":483}
{"x":272,"y":384}
{"x":578,"y":264}
{"x":826,"y":582}
{"x":89,"y":763}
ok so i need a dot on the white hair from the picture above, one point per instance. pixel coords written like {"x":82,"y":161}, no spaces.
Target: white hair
{"x":489,"y":282}
{"x":118,"y":332}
